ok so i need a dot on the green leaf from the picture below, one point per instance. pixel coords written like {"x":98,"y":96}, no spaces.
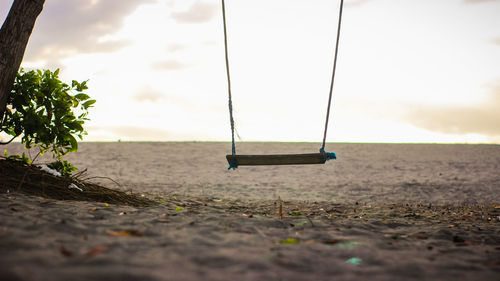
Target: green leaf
{"x":348,"y":245}
{"x":64,"y":167}
{"x":82,"y":86}
{"x":82,"y":96}
{"x":292,"y":241}
{"x":74,"y":143}
{"x":354,"y":261}
{"x":88,"y":103}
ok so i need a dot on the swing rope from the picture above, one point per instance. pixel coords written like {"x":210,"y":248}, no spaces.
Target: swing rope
{"x":230,"y":101}
{"x":322,"y":149}
{"x":328,"y":155}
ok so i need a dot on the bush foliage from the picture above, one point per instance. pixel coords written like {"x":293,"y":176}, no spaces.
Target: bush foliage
{"x":47,"y":114}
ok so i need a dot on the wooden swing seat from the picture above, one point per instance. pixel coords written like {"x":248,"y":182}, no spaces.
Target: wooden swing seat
{"x":276,"y":159}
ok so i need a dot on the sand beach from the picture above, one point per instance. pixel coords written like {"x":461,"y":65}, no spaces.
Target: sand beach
{"x":379,"y":212}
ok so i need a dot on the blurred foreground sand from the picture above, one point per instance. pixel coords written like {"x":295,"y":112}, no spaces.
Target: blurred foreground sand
{"x":380,"y":212}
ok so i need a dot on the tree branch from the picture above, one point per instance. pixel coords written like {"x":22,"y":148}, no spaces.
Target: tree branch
{"x":14,"y":36}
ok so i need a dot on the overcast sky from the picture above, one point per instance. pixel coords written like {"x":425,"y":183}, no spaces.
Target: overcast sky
{"x":408,"y":70}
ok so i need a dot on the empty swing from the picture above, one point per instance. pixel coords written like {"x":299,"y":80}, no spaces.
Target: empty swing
{"x":236,"y":160}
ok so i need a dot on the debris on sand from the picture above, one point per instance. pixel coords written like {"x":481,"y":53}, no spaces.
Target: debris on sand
{"x":45,"y":182}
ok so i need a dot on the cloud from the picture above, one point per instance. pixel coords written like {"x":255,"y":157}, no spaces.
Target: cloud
{"x":168,"y":65}
{"x":4,"y":10}
{"x":478,"y":1}
{"x":356,"y":3}
{"x":148,"y":94}
{"x":68,"y":27}
{"x":176,"y":48}
{"x":199,"y":12}
{"x":479,"y":119}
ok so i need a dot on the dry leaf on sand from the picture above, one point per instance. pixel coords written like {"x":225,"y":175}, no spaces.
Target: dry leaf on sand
{"x":125,"y":233}
{"x":95,"y":251}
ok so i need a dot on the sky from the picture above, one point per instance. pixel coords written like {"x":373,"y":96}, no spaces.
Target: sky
{"x":408,"y":70}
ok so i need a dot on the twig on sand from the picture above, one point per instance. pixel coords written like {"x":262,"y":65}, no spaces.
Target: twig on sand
{"x":22,"y":181}
{"x":90,"y":178}
{"x":309,"y":219}
{"x":80,"y":176}
{"x":260,"y":232}
{"x":280,"y":211}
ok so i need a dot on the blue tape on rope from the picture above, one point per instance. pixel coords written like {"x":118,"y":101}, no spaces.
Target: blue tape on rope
{"x":328,"y":155}
{"x":233,"y":165}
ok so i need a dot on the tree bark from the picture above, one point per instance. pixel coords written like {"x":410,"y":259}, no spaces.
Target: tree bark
{"x":14,"y":36}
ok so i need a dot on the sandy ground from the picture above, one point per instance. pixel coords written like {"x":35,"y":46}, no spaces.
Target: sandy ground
{"x":380,"y":212}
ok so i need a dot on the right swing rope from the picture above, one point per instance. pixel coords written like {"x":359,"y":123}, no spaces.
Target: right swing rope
{"x":322,"y":149}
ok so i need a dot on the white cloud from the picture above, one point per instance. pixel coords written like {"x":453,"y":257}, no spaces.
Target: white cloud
{"x":199,"y":12}
{"x":478,"y":1}
{"x":4,"y":9}
{"x":148,"y":94}
{"x":67,"y":28}
{"x":174,"y":47}
{"x":356,"y":3}
{"x":168,"y":65}
{"x":482,"y":118}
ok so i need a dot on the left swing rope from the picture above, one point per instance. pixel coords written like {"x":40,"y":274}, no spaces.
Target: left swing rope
{"x":234,"y":164}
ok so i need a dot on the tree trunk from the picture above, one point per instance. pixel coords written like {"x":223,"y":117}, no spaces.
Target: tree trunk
{"x":14,"y":36}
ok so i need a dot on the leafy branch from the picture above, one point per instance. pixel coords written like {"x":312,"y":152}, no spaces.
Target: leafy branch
{"x":47,"y":114}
